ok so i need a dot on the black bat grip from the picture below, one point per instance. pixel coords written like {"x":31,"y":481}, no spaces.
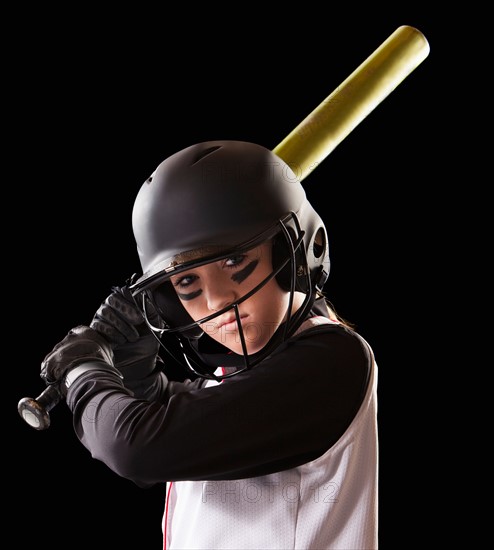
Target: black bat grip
{"x":36,"y":411}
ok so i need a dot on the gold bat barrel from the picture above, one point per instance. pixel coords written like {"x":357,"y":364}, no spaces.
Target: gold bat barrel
{"x":357,"y":96}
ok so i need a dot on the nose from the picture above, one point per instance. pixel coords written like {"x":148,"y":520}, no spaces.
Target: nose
{"x":219,"y":293}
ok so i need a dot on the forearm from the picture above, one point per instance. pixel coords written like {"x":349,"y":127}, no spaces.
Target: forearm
{"x":119,"y":428}
{"x":152,"y":387}
{"x":107,"y":417}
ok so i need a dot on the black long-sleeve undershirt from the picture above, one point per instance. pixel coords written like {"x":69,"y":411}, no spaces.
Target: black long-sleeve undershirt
{"x":286,"y":411}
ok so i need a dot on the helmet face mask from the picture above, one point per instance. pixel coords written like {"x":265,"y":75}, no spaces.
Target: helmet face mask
{"x":261,"y":202}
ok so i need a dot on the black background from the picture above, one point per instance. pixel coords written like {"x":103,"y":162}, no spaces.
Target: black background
{"x":94,"y":104}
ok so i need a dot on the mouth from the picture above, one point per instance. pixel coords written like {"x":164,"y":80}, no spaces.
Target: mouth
{"x":230,"y":323}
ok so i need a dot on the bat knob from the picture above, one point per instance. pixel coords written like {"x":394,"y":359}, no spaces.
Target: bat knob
{"x":35,"y":412}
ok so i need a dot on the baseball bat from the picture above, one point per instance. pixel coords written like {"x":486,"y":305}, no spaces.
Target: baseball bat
{"x":327,"y":125}
{"x":307,"y":145}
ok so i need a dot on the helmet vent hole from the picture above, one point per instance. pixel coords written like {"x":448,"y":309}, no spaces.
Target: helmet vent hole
{"x":150,"y":179}
{"x":205,"y":153}
{"x":319,"y":245}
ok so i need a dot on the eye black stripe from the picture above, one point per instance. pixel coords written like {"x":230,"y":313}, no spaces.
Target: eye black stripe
{"x":241,"y":275}
{"x":189,"y":296}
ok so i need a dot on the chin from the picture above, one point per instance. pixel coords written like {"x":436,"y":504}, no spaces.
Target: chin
{"x":251,"y":349}
{"x":255,"y":341}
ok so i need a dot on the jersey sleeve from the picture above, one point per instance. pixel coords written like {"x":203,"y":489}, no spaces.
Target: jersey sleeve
{"x":285,"y":411}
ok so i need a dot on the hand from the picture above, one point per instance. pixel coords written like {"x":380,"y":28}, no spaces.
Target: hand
{"x":135,"y":347}
{"x":81,"y":345}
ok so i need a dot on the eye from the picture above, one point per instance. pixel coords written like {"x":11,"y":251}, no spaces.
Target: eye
{"x":234,"y":261}
{"x":184,"y":281}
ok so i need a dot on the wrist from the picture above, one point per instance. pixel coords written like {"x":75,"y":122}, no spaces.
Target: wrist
{"x":81,"y":369}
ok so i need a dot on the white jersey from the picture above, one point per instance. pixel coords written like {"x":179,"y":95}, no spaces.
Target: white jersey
{"x":328,"y":503}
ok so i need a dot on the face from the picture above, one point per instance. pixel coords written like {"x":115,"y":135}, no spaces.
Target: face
{"x":209,"y":288}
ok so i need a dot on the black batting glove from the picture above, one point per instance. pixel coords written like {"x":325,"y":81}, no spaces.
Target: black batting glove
{"x":81,"y":345}
{"x":135,"y":347}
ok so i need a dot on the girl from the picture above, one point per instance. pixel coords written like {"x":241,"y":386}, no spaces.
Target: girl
{"x":272,"y":441}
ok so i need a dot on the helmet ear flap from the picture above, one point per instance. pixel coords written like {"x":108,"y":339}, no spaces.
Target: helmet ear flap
{"x":311,"y":257}
{"x":319,"y":258}
{"x":282,"y":252}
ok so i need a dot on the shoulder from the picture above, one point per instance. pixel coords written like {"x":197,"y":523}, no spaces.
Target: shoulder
{"x":324,"y":351}
{"x":316,"y":321}
{"x":335,"y":334}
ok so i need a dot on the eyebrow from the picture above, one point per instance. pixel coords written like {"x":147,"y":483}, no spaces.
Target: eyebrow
{"x":241,"y":275}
